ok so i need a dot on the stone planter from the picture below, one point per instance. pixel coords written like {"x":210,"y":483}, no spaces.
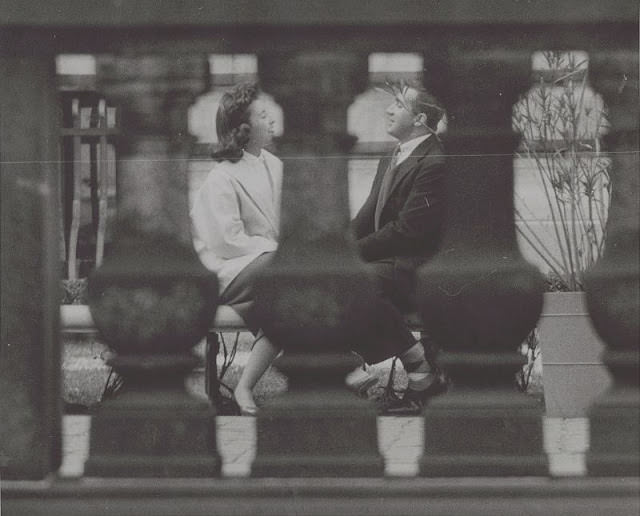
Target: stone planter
{"x":573,"y":373}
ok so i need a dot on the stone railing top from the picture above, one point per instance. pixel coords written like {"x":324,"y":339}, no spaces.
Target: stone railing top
{"x":155,"y":13}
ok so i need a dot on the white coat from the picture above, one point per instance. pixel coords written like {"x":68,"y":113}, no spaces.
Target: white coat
{"x":236,"y":214}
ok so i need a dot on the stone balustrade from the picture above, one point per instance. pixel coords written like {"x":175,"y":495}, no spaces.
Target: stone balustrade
{"x":152,"y":300}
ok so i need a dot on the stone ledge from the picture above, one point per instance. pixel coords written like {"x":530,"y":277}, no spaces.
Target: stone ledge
{"x":459,"y":496}
{"x":78,"y":319}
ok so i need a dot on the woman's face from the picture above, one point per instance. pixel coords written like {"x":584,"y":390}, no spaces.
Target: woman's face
{"x":261,"y":123}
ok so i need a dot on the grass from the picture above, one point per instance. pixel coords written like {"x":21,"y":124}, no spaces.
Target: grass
{"x":84,"y":373}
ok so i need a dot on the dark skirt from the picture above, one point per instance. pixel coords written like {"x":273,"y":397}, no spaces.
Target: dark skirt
{"x":240,"y":294}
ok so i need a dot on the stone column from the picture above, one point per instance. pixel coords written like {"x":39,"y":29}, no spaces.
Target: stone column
{"x":312,"y":301}
{"x":152,"y":300}
{"x":30,"y":399}
{"x":479,"y":298}
{"x":612,"y":286}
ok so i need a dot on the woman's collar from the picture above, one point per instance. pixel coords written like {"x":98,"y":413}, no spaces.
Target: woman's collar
{"x":251,"y":158}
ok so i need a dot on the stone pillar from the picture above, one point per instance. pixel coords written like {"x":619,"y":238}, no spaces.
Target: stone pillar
{"x":478,"y":297}
{"x":612,"y":286}
{"x":152,"y":300}
{"x":30,"y":399}
{"x":312,"y":300}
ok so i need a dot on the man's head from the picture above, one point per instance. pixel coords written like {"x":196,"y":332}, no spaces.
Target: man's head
{"x":412,"y":113}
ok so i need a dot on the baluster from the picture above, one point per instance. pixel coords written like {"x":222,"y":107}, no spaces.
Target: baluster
{"x":312,"y":300}
{"x":152,"y":299}
{"x":478,"y":297}
{"x":612,"y":286}
{"x":30,"y":399}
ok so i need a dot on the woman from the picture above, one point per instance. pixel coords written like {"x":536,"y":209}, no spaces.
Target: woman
{"x":236,"y":216}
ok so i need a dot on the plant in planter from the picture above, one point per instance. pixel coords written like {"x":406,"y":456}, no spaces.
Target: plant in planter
{"x":562,"y":122}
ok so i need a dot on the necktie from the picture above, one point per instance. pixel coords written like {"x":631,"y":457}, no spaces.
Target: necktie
{"x":387,"y":179}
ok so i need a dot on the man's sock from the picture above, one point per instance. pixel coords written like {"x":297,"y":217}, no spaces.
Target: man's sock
{"x":417,"y":368}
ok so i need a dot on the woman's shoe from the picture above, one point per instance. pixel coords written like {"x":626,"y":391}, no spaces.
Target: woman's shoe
{"x":248,"y":411}
{"x":245,"y":403}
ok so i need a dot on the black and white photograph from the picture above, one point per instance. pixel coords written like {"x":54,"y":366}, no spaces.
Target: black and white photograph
{"x":319,"y":257}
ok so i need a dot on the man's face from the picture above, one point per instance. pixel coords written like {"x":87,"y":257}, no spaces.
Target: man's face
{"x":400,"y":120}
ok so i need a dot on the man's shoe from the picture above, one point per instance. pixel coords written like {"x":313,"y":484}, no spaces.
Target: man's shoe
{"x":360,"y":381}
{"x":413,"y":402}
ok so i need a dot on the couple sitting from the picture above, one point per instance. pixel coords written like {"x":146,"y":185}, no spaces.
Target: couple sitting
{"x":236,"y":224}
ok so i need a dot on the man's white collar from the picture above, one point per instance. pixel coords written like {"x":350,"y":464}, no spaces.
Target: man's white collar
{"x":409,"y":147}
{"x":251,"y":157}
{"x":406,"y":148}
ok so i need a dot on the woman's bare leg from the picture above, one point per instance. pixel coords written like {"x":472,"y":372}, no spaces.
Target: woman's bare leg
{"x":262,"y":354}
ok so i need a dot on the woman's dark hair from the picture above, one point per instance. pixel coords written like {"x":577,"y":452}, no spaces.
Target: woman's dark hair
{"x":232,"y":121}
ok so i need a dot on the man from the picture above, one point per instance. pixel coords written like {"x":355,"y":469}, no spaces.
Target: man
{"x":397,"y":229}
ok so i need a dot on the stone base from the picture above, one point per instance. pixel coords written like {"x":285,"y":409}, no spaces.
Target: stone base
{"x":478,"y":465}
{"x":299,"y":466}
{"x":481,"y":433}
{"x":317,"y":434}
{"x":615,"y":426}
{"x":143,"y":466}
{"x":167,"y":436}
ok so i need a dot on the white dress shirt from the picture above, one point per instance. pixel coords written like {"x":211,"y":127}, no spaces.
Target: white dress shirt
{"x":407,"y":148}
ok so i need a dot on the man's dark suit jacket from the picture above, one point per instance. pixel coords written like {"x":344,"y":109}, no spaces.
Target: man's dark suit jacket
{"x":411,"y":219}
